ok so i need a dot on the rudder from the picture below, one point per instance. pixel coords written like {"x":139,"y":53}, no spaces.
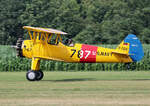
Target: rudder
{"x":135,"y":48}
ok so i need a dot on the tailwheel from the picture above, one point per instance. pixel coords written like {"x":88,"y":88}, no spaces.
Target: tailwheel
{"x":127,"y":66}
{"x":39,"y":75}
{"x":130,"y":66}
{"x":31,"y":75}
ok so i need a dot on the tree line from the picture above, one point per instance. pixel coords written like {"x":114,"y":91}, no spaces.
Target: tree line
{"x":85,"y":21}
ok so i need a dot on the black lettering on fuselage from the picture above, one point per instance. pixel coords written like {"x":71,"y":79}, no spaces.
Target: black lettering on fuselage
{"x":104,"y":53}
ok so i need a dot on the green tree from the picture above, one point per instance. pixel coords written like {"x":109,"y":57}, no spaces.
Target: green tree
{"x":96,"y":21}
{"x":69,"y":18}
{"x":10,"y":26}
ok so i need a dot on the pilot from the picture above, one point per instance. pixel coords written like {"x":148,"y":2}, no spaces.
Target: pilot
{"x":69,"y":42}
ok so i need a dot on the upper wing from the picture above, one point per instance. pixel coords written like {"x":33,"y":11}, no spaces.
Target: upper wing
{"x":47,"y":30}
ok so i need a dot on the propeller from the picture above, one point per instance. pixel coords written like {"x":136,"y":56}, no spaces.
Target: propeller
{"x":18,"y":47}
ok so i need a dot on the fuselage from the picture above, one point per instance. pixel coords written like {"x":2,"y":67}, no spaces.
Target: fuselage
{"x":81,"y":53}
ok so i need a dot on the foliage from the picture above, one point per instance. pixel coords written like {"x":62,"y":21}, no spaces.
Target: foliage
{"x":86,"y":21}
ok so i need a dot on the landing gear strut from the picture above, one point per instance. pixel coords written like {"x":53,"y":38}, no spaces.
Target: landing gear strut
{"x":34,"y":75}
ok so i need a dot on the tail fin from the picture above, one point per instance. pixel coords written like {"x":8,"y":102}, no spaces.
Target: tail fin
{"x":131,"y":46}
{"x":135,"y":50}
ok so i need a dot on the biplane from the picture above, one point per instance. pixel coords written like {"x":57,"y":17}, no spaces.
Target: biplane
{"x":46,"y":43}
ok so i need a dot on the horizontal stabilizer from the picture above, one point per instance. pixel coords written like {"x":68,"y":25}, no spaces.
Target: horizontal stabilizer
{"x":117,"y":52}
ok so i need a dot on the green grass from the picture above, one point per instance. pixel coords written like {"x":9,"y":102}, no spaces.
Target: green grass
{"x":76,"y":89}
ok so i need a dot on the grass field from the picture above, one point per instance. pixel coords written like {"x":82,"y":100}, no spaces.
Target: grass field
{"x":76,"y":89}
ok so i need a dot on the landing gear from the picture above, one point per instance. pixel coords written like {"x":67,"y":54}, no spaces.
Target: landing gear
{"x":127,"y":66}
{"x":34,"y":75}
{"x":130,"y":66}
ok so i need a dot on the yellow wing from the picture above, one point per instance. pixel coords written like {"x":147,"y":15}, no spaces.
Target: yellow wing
{"x":47,"y":30}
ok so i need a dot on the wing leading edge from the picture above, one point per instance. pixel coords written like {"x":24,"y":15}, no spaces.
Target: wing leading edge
{"x":47,"y":30}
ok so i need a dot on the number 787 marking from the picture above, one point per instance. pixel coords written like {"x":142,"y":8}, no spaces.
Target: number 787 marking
{"x":81,"y":53}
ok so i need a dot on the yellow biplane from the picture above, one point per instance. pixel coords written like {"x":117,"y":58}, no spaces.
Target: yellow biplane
{"x":46,"y":43}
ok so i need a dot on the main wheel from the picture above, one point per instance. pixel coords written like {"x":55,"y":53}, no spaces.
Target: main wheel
{"x":31,"y":75}
{"x":39,"y":75}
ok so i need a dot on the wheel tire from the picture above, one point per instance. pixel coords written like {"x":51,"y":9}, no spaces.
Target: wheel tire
{"x":31,"y":75}
{"x":39,"y":75}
